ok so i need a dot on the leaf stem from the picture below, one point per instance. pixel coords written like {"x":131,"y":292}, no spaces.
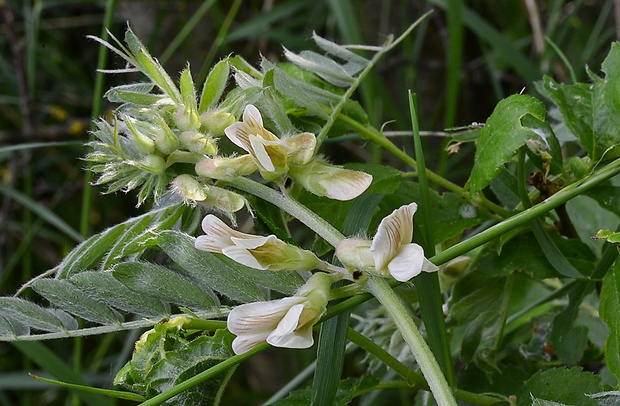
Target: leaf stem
{"x":408,"y":329}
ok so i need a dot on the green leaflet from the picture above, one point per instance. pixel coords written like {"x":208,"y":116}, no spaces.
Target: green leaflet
{"x":502,"y":135}
{"x":214,"y":85}
{"x":110,"y":246}
{"x":561,"y":385}
{"x":71,"y":298}
{"x":102,"y":286}
{"x":347,"y":390}
{"x":157,"y":281}
{"x":31,"y":315}
{"x":223,"y":275}
{"x":609,"y":312}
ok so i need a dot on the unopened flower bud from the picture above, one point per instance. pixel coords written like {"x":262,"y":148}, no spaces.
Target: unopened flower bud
{"x":224,"y":200}
{"x":215,"y":122}
{"x":166,"y":141}
{"x":300,"y":148}
{"x":335,"y":182}
{"x":198,"y":143}
{"x":153,"y":163}
{"x":226,"y":168}
{"x":186,"y":119}
{"x":142,"y":144}
{"x":355,"y":253}
{"x":189,"y":188}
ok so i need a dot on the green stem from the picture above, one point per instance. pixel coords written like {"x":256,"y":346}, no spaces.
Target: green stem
{"x":421,"y":351}
{"x":315,"y":222}
{"x":564,"y":195}
{"x":378,"y":138}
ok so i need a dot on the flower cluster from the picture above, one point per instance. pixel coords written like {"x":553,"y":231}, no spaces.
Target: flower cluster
{"x":278,"y":159}
{"x":288,"y":322}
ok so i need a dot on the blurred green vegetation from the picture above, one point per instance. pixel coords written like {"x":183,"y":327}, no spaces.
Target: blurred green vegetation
{"x":461,"y":62}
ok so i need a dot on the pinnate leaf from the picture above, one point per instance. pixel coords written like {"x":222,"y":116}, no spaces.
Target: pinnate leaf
{"x":610,"y":313}
{"x":502,"y":135}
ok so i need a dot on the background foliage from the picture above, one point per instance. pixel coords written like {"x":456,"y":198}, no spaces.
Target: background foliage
{"x":461,"y":62}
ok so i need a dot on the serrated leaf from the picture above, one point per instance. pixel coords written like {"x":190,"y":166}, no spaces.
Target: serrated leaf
{"x":30,"y":314}
{"x":609,"y":312}
{"x":73,"y":300}
{"x":188,"y":360}
{"x":502,"y":135}
{"x":156,"y":281}
{"x":104,"y":287}
{"x":223,"y":275}
{"x":562,"y":385}
{"x":214,"y":85}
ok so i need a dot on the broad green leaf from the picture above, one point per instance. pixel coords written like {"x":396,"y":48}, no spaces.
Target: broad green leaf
{"x":188,"y":360}
{"x":223,"y":275}
{"x":164,"y":357}
{"x":104,"y":287}
{"x":609,"y":311}
{"x":294,"y":90}
{"x":473,"y":295}
{"x":156,"y":281}
{"x":11,"y":328}
{"x":30,"y":314}
{"x":473,"y":333}
{"x":523,"y":254}
{"x":502,"y":135}
{"x":72,"y":299}
{"x":553,"y":254}
{"x":561,"y":385}
{"x":214,"y":85}
{"x":568,"y":339}
{"x":608,"y":197}
{"x":504,"y":186}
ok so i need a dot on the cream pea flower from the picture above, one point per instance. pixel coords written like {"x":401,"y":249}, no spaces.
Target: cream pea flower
{"x":259,"y":252}
{"x":391,"y":252}
{"x":285,"y":322}
{"x":267,"y":150}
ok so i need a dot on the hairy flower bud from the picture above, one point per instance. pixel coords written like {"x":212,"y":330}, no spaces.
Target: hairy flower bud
{"x":335,"y":182}
{"x":215,"y":122}
{"x":226,"y":168}
{"x":198,"y":143}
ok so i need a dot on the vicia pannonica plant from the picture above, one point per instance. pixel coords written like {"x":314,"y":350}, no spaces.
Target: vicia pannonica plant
{"x":475,"y":283}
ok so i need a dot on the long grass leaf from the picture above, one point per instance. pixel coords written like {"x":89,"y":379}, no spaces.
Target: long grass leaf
{"x":427,"y":284}
{"x":52,"y":363}
{"x":42,"y":211}
{"x":106,"y":392}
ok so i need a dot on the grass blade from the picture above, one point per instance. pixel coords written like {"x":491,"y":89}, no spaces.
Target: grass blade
{"x":427,"y":284}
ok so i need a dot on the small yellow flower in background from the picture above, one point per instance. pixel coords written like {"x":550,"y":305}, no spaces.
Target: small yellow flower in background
{"x":259,"y":252}
{"x":391,"y":252}
{"x":285,"y":322}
